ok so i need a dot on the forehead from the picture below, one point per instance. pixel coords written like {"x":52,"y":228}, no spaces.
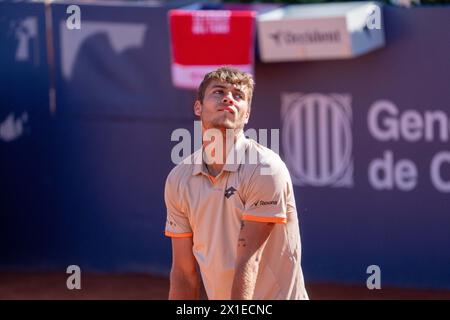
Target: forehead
{"x":220,"y":84}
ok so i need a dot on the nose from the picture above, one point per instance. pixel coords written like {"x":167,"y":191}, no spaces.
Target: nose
{"x":228,"y":98}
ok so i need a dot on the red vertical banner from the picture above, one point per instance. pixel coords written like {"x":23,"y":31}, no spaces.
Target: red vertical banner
{"x":203,"y":40}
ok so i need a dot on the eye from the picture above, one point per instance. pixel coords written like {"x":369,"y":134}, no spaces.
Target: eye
{"x":218,"y":91}
{"x":239,"y":96}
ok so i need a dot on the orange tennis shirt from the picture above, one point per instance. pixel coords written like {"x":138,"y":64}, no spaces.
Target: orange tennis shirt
{"x":210,"y":209}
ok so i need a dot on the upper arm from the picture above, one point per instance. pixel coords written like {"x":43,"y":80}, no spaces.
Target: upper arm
{"x":183,"y":259}
{"x":266,"y":202}
{"x":252,"y":238}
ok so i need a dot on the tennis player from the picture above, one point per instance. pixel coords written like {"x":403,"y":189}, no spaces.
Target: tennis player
{"x":232,"y":219}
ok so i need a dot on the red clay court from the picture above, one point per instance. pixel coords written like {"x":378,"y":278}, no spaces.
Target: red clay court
{"x":50,"y":286}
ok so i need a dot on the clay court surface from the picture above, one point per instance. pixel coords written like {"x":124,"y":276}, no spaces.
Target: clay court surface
{"x":47,"y":286}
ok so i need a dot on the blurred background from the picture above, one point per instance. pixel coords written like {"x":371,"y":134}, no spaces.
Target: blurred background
{"x":90,"y":96}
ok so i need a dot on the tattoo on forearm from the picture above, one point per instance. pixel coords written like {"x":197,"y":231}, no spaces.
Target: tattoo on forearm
{"x":241,"y":242}
{"x":242,"y":225}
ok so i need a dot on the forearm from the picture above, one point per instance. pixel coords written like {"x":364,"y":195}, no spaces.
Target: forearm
{"x":184,"y":286}
{"x":244,"y":281}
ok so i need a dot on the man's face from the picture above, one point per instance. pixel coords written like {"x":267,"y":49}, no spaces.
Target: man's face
{"x":225,"y":106}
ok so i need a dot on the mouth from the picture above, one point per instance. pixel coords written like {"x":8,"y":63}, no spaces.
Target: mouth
{"x":228,"y":109}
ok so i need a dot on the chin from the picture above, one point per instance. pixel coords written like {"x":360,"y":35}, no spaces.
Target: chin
{"x":224,"y":125}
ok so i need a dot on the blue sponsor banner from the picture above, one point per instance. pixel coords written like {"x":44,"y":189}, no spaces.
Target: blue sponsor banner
{"x":367,"y":144}
{"x":366,"y":141}
{"x":115,"y":111}
{"x":118,"y":62}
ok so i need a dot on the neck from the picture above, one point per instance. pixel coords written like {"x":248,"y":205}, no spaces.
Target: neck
{"x":217,"y":147}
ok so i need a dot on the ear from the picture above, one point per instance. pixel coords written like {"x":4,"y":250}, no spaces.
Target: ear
{"x":197,"y":108}
{"x":247,"y":116}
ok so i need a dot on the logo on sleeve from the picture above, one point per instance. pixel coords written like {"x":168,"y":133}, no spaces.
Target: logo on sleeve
{"x":229,"y":192}
{"x":172,"y":224}
{"x":265,"y":203}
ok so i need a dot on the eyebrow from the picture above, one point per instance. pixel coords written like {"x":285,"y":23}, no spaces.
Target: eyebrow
{"x":221,"y":86}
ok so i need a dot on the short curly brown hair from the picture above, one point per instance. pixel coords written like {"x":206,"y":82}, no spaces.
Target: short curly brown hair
{"x":231,"y":76}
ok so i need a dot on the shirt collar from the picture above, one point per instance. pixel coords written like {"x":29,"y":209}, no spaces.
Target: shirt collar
{"x":234,"y":158}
